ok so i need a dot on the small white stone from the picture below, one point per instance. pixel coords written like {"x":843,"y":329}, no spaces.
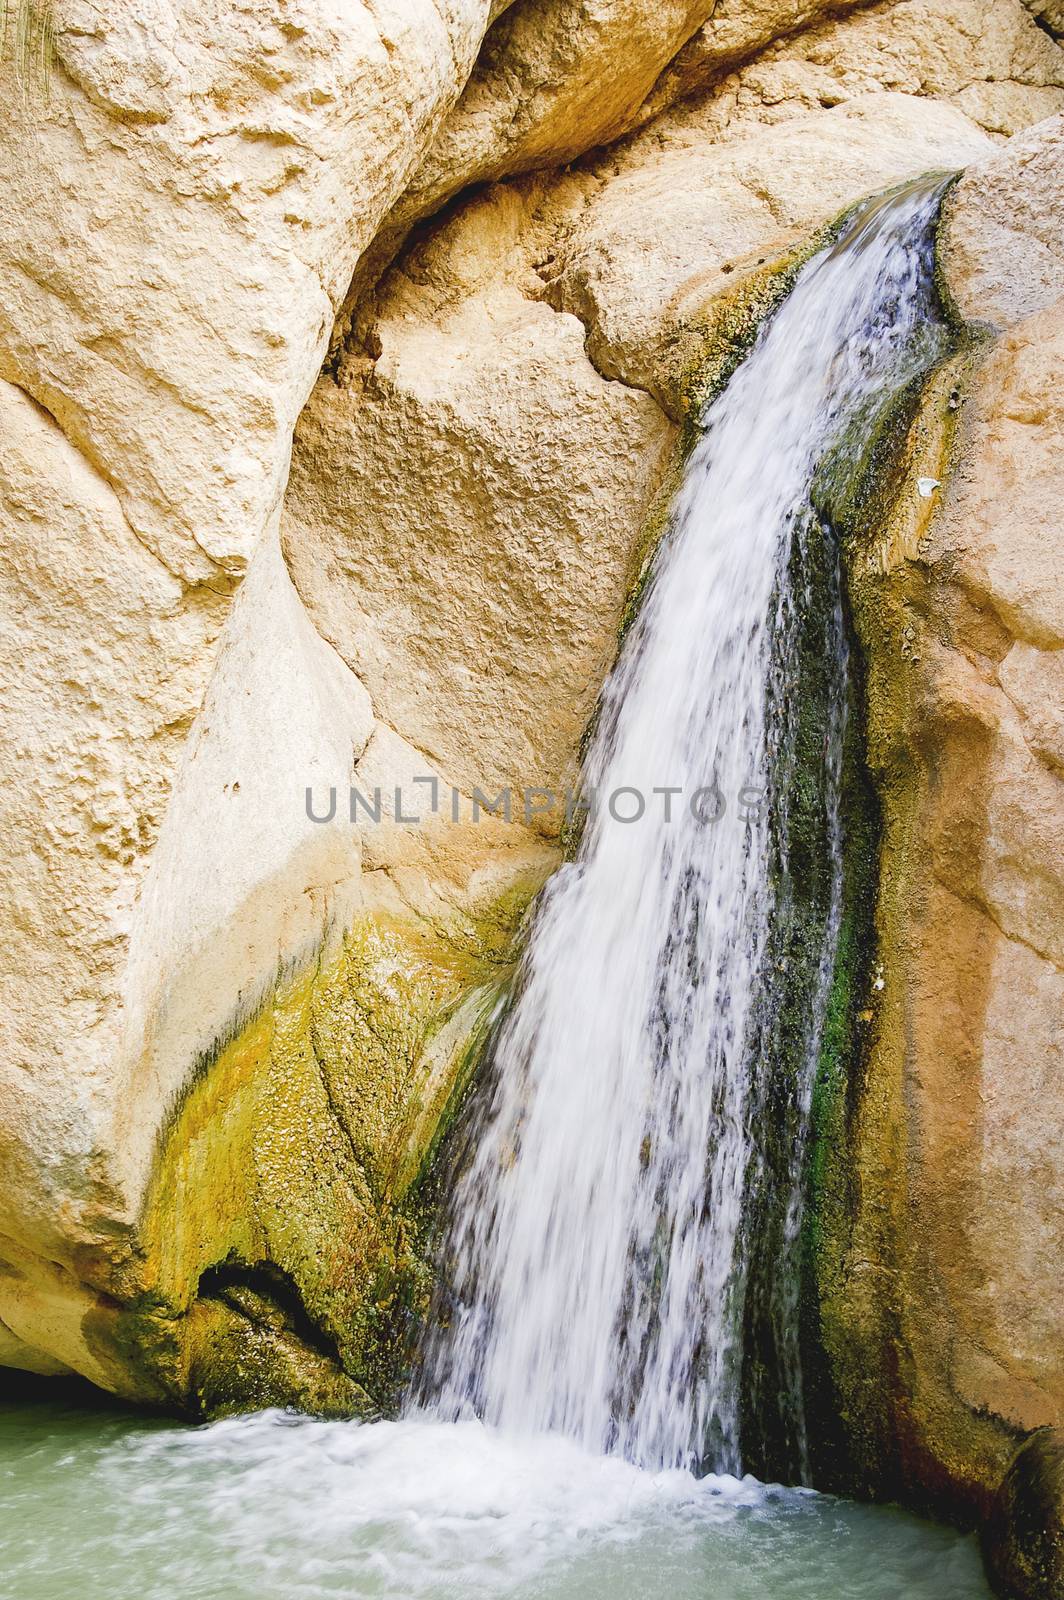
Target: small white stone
{"x":927,"y":486}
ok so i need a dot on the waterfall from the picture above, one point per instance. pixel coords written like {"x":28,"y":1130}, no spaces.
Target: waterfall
{"x":633,"y":1198}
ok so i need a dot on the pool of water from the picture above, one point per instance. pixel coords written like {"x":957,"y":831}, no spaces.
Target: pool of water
{"x":104,"y":1505}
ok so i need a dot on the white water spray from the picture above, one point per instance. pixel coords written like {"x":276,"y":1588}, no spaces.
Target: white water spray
{"x":598,"y":1241}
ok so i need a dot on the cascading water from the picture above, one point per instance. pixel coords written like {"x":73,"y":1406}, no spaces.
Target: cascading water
{"x":626,"y":1234}
{"x":629,"y":1169}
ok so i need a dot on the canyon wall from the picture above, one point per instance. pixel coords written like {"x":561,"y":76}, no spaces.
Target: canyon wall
{"x":941,"y":1301}
{"x":347,"y":360}
{"x":941,"y":1305}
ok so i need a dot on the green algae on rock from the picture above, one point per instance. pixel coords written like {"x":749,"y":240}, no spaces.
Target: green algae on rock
{"x":280,"y":1242}
{"x":1023,"y":1539}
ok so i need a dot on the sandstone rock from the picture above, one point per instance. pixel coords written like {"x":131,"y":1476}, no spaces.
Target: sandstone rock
{"x":1007,"y":501}
{"x":481,"y":450}
{"x":104,"y":657}
{"x":959,"y":1167}
{"x":678,"y":222}
{"x":1004,"y":237}
{"x":987,"y":57}
{"x":1049,"y":14}
{"x":734,"y":32}
{"x":183,"y":214}
{"x":192,"y":1070}
{"x":478,"y":439}
{"x":1033,"y":679}
{"x":1024,"y":1539}
{"x":552,"y":80}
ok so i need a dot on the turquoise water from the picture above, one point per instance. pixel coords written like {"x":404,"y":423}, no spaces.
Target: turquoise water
{"x":97,"y":1504}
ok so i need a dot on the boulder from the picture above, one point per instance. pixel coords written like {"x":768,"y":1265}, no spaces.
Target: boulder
{"x":1003,"y":243}
{"x":1023,"y":1541}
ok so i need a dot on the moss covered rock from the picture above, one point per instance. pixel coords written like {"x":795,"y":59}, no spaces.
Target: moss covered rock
{"x":936,"y":1235}
{"x":1023,"y":1541}
{"x":279,"y":1247}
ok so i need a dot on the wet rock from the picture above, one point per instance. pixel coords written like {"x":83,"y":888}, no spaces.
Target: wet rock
{"x":1023,"y":1541}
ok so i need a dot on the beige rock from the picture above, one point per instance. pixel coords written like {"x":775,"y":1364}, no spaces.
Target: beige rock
{"x":103,"y":666}
{"x":1004,"y":239}
{"x":987,"y":57}
{"x":1007,"y":503}
{"x":1018,"y":1210}
{"x":957,"y":1146}
{"x":734,"y":32}
{"x":553,"y":80}
{"x":169,"y":963}
{"x":749,"y":63}
{"x":182,"y":217}
{"x":482,"y":451}
{"x":480,"y":447}
{"x":679,"y":221}
{"x":1049,"y":14}
{"x":1033,"y":679}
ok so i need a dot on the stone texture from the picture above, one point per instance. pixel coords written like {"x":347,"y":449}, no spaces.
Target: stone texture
{"x":735,"y":32}
{"x":1007,"y":499}
{"x":234,"y":1033}
{"x":950,"y":1279}
{"x":103,"y":663}
{"x":183,"y":215}
{"x":554,"y":78}
{"x":1033,"y":679}
{"x":673,"y":222}
{"x":987,"y":57}
{"x":1024,"y":1538}
{"x":1049,"y":14}
{"x":1004,"y":238}
{"x":753,"y":64}
{"x":482,"y":450}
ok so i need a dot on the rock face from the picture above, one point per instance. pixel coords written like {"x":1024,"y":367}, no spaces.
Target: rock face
{"x":986,"y":57}
{"x":498,"y":399}
{"x":183,"y":212}
{"x":945,"y":1273}
{"x":675,"y":221}
{"x":183,"y":215}
{"x":482,"y":420}
{"x":1049,"y":14}
{"x":243,"y":988}
{"x":1004,"y":244}
{"x":1024,"y":1539}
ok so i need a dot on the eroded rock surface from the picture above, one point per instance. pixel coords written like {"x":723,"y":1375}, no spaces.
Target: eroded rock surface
{"x":949,"y":1275}
{"x":672,"y":222}
{"x":987,"y":57}
{"x":234,"y":1034}
{"x":183,"y":210}
{"x":1024,"y":1538}
{"x":1049,"y":14}
{"x":1004,"y":238}
{"x":481,"y":450}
